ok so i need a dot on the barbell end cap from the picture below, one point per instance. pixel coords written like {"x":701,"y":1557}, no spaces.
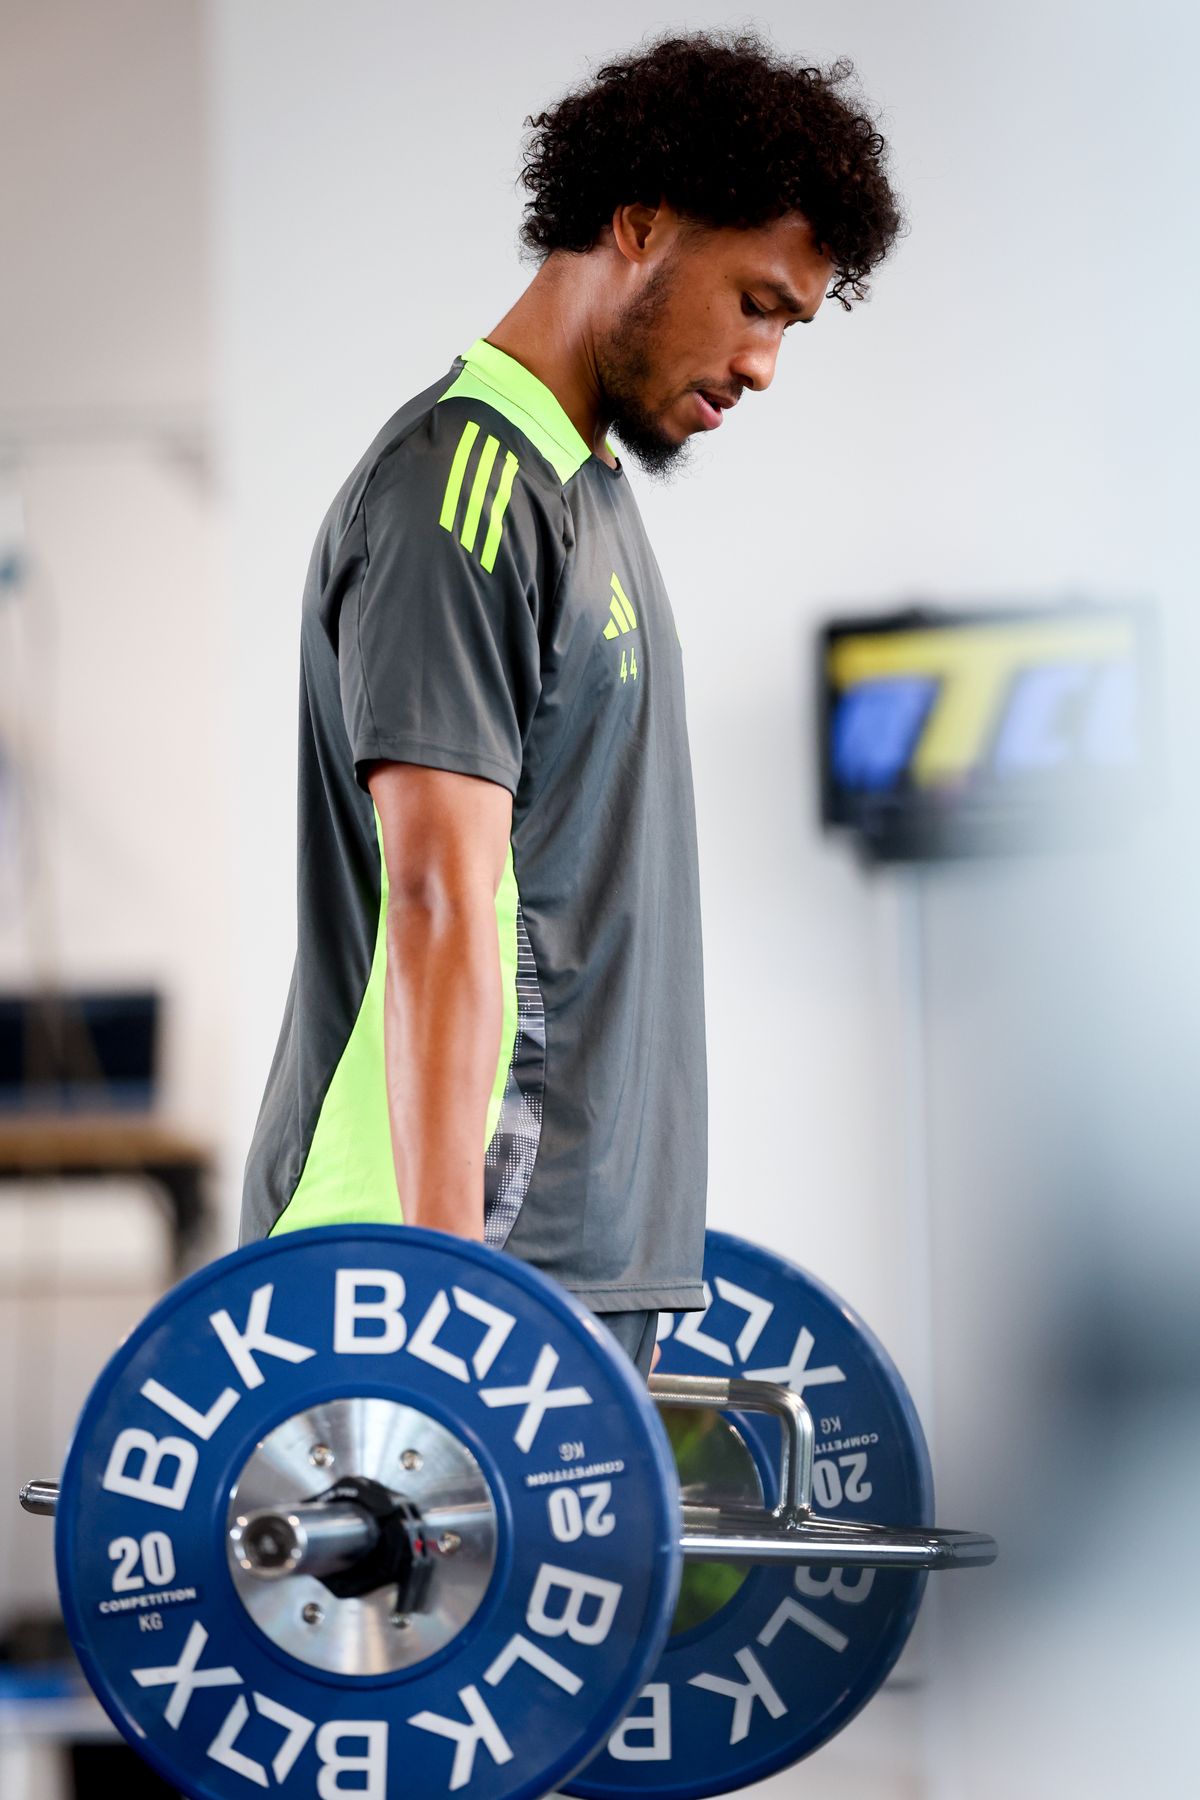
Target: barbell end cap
{"x":963,"y":1550}
{"x":40,"y":1497}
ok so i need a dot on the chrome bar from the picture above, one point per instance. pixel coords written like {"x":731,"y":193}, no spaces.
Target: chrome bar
{"x":303,"y":1539}
{"x":791,"y":1532}
{"x":735,"y":1393}
{"x":40,"y":1497}
{"x":712,"y":1534}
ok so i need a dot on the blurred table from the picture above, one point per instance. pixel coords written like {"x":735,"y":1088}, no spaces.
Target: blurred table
{"x":74,"y":1146}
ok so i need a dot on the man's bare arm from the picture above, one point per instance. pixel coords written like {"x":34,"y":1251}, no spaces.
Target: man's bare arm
{"x":445,"y":843}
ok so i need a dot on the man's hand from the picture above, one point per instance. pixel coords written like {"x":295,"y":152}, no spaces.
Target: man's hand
{"x":445,"y":844}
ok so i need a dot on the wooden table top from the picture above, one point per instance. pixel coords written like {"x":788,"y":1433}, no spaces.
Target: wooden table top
{"x":65,"y":1141}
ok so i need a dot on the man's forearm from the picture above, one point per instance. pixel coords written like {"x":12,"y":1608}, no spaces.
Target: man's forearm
{"x":442,"y":1023}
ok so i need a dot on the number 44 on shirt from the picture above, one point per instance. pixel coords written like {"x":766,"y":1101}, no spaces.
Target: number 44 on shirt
{"x":629,"y":666}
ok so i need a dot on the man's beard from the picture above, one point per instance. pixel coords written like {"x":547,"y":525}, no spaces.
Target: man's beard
{"x":625,"y":367}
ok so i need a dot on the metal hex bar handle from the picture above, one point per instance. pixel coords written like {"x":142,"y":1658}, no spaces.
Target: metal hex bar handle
{"x":725,"y":1392}
{"x":792,"y":1532}
{"x":302,"y":1539}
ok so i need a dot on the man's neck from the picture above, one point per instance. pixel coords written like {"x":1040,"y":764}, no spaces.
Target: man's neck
{"x":549,"y":333}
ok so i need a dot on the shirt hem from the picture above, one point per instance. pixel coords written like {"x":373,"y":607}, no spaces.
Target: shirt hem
{"x":680,"y":1297}
{"x":391,"y":747}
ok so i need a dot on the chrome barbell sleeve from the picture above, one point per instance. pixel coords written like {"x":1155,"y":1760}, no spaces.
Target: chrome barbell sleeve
{"x":40,"y":1497}
{"x":302,"y":1539}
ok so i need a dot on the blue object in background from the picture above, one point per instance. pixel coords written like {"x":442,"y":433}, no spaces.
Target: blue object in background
{"x":875,"y":729}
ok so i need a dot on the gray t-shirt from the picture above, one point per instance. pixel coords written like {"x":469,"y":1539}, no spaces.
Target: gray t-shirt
{"x":482,"y":598}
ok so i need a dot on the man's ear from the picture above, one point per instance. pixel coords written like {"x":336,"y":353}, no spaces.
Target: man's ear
{"x":638,"y":227}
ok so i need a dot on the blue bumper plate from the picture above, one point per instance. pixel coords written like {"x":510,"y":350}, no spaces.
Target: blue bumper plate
{"x":752,"y":1682}
{"x":582,"y":1590}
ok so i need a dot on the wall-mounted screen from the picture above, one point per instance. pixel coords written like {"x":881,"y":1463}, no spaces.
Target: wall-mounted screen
{"x":947,"y":733}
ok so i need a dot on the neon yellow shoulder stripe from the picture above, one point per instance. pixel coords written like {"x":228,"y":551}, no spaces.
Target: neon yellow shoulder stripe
{"x":483,"y":473}
{"x":458,"y":469}
{"x":491,"y":542}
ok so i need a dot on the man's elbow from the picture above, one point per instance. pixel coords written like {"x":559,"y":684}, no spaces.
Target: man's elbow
{"x":437,"y":903}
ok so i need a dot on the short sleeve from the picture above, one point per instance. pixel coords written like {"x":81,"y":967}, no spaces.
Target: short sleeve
{"x":438,"y":644}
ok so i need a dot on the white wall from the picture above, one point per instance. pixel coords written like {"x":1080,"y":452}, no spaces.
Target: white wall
{"x":114,"y":866}
{"x":112,"y":697}
{"x":1009,"y":419}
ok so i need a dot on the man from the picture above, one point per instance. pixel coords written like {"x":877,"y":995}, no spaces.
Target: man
{"x":495,"y":1024}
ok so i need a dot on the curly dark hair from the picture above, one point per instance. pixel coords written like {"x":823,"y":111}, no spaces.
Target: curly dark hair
{"x":730,"y":133}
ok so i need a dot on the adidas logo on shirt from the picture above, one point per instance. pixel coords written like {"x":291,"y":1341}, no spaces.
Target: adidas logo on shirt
{"x":624,"y":619}
{"x":622,"y":623}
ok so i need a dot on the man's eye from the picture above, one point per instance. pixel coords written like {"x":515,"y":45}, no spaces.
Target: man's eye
{"x":749,"y":308}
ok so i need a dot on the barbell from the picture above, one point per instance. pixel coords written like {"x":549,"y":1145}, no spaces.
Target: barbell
{"x":372,"y":1510}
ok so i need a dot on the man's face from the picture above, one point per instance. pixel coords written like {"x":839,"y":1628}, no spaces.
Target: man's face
{"x":705,"y":323}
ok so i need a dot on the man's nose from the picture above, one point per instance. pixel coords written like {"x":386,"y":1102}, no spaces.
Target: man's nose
{"x":754,"y":366}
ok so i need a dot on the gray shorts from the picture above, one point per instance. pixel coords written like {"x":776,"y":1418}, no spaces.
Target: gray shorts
{"x":636,"y":1333}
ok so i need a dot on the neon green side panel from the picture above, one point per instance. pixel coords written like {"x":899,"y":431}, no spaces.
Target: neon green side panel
{"x":512,"y":389}
{"x":349,"y":1177}
{"x":506,"y":926}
